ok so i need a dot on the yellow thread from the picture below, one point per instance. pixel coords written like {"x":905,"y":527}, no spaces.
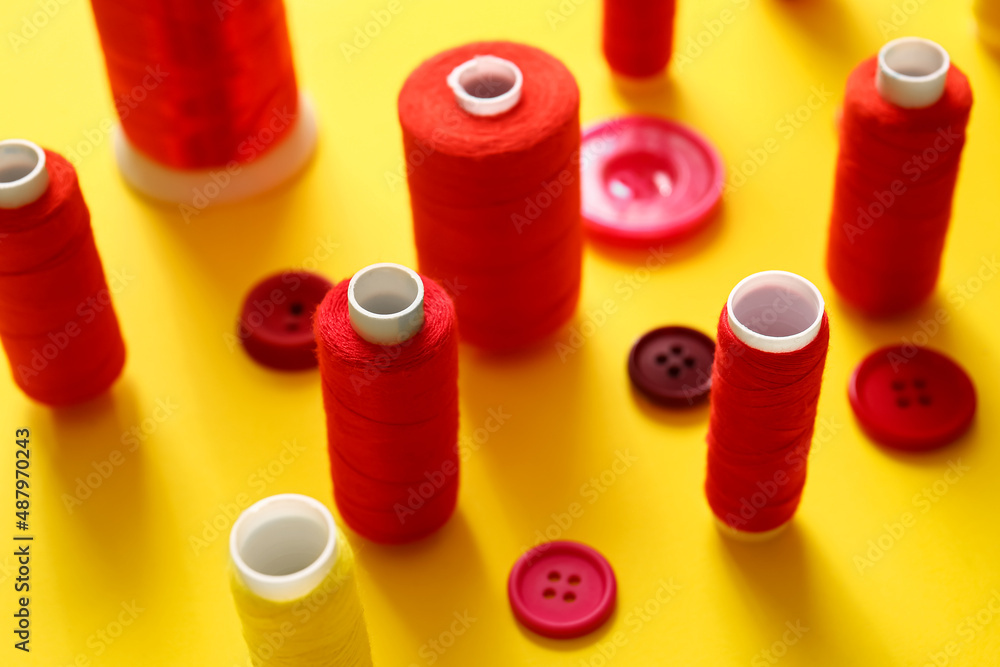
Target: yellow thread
{"x":325,"y":628}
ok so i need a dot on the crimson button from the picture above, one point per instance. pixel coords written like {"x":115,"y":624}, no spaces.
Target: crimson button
{"x":672,"y":365}
{"x":912,"y":398}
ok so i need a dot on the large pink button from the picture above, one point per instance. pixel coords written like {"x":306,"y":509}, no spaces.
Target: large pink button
{"x":647,"y":180}
{"x":562,"y":589}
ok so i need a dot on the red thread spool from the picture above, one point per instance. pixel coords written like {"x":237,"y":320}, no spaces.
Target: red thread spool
{"x":57,"y":323}
{"x":773,"y":338}
{"x":207,"y":97}
{"x":638,"y":36}
{"x":388,"y":355}
{"x":901,"y":140}
{"x":492,"y":143}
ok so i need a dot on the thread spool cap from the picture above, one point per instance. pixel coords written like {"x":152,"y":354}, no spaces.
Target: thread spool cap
{"x":562,"y":589}
{"x":775,"y":311}
{"x":912,"y":72}
{"x":23,"y":174}
{"x":486,"y":85}
{"x":276,"y":320}
{"x":647,"y":179}
{"x":386,"y":303}
{"x":283,"y":546}
{"x":912,"y":398}
{"x":672,"y":365}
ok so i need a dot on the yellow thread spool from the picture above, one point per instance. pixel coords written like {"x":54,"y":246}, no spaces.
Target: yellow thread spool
{"x":293,"y":582}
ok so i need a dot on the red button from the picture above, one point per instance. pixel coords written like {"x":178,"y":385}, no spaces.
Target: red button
{"x":912,"y":397}
{"x":646,"y":180}
{"x":276,"y":322}
{"x":672,"y":365}
{"x":562,"y":589}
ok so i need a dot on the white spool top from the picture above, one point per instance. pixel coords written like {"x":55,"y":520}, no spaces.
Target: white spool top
{"x":23,"y":174}
{"x":386,"y":303}
{"x":282,"y":547}
{"x":486,"y":85}
{"x":775,"y":311}
{"x":912,"y":72}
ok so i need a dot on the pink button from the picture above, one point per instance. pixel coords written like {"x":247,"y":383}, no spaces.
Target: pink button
{"x":562,"y":589}
{"x":647,"y":179}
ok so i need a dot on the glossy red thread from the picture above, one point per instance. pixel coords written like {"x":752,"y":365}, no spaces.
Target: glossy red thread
{"x":198,"y":84}
{"x":638,"y":35}
{"x":496,"y":200}
{"x":896,"y":175}
{"x":57,"y":323}
{"x":392,"y":420}
{"x":760,"y":428}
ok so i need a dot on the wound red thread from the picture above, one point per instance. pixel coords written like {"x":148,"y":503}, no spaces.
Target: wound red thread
{"x":638,"y":35}
{"x":199,"y":84}
{"x":496,"y":200}
{"x":57,"y":323}
{"x":760,"y":428}
{"x":392,"y":420}
{"x":896,"y":175}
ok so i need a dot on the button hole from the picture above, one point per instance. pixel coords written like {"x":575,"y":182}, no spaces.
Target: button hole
{"x":903,"y":402}
{"x":919,"y":383}
{"x":924,"y":399}
{"x":574,"y":580}
{"x":661,"y":358}
{"x":549,"y":593}
{"x":677,"y":349}
{"x":898,"y":385}
{"x":553,"y":576}
{"x":292,"y":326}
{"x":674,"y":371}
{"x":296,"y":308}
{"x":569,"y":597}
{"x":689,"y":362}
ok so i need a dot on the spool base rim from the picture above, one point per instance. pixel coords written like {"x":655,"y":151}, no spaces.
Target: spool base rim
{"x":193,"y":187}
{"x":746,"y":536}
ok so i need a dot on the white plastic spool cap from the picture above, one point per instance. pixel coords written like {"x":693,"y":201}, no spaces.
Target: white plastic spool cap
{"x":775,"y":311}
{"x":282,"y":547}
{"x":23,"y":174}
{"x":386,"y":303}
{"x":912,"y":72}
{"x":486,"y":85}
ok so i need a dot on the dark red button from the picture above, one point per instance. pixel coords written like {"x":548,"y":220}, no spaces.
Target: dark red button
{"x":912,"y":397}
{"x":672,"y":365}
{"x":562,"y":589}
{"x":647,"y":179}
{"x":276,"y":322}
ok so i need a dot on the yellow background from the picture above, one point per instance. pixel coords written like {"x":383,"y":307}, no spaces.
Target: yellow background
{"x":183,"y":284}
